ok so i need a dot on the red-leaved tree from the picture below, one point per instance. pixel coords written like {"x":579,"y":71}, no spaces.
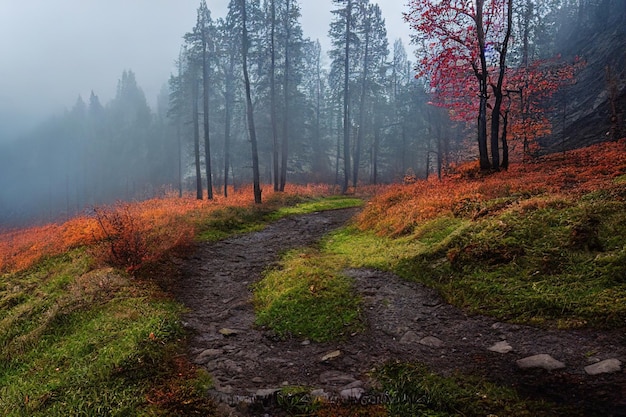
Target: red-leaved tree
{"x":529,"y":88}
{"x":465,"y":40}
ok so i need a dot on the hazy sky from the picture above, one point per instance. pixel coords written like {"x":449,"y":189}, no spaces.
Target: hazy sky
{"x":53,"y":50}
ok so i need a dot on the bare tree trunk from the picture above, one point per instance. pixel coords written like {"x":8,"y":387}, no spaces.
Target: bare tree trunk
{"x":249,"y":108}
{"x":273,"y":95}
{"x":196,"y":136}
{"x":205,"y":107}
{"x":359,"y":136}
{"x":285,"y":143}
{"x":346,"y":98}
{"x":497,"y":91}
{"x":481,"y":75}
{"x":227,"y":126}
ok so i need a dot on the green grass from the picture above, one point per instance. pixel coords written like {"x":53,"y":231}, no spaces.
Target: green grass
{"x":238,"y":220}
{"x":544,"y":260}
{"x":414,"y":390}
{"x":77,"y":339}
{"x":81,"y":342}
{"x":308,"y":297}
{"x":318,"y":204}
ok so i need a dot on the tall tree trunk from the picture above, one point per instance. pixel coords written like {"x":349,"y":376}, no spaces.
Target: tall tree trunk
{"x":317,"y":146}
{"x":338,"y":153}
{"x":481,"y":75}
{"x":205,"y":107}
{"x":228,"y":105}
{"x":346,"y":98}
{"x":505,"y":143}
{"x":361,"y":129}
{"x":227,"y":127}
{"x":180,"y":158}
{"x":273,"y":95}
{"x":285,"y":143}
{"x":497,"y":91}
{"x":249,"y":108}
{"x":196,"y":135}
{"x":375,"y":156}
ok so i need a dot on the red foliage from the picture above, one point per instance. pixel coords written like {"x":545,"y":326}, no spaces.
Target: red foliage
{"x":449,"y":31}
{"x":451,"y":62}
{"x":529,"y":89}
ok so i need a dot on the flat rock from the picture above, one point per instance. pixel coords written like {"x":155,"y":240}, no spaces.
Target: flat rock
{"x":543,"y":361}
{"x":320,"y":394}
{"x":228,"y":332}
{"x":331,"y":355}
{"x":501,"y":347}
{"x":431,"y":341}
{"x":336,"y":378}
{"x":409,"y":338}
{"x":206,"y":355}
{"x":355,"y":384}
{"x":351,"y":393}
{"x":265,"y":392}
{"x":604,"y":367}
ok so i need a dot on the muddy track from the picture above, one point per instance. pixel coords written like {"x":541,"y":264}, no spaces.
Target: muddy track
{"x":405,"y":321}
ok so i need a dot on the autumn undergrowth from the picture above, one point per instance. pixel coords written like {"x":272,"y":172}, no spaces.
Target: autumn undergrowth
{"x":79,"y":340}
{"x":542,"y":244}
{"x":84,"y":332}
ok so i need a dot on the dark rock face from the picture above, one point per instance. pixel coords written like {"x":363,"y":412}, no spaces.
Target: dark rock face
{"x":582,"y":113}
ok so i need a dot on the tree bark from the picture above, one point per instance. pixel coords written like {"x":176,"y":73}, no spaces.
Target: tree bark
{"x":196,"y":136}
{"x":359,"y":136}
{"x":497,"y":91}
{"x":285,"y":142}
{"x":249,"y":107}
{"x":481,"y":75}
{"x":273,"y":95}
{"x":205,"y":108}
{"x":346,"y":98}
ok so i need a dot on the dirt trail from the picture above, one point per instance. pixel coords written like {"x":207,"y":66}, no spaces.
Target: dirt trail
{"x":405,"y":321}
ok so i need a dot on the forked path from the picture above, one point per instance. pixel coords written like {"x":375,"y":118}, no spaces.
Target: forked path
{"x":405,"y":321}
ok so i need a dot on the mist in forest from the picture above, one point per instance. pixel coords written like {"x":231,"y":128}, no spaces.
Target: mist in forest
{"x":118,"y":100}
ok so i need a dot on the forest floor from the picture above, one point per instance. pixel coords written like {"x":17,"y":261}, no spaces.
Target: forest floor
{"x":404,"y":321}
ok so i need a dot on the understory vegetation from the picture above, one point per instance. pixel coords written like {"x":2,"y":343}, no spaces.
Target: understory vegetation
{"x":541,"y":244}
{"x":85,"y":329}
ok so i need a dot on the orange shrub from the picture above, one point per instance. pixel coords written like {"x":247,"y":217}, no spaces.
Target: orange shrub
{"x":148,"y":229}
{"x":400,"y":208}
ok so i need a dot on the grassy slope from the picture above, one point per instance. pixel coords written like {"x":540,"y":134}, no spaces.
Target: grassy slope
{"x":542,"y":244}
{"x":80,"y":338}
{"x":547,"y":242}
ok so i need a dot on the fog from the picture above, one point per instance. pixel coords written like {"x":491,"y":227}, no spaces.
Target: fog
{"x":55,"y":50}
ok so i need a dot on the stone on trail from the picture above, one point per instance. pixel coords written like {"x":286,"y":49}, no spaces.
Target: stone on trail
{"x":331,"y":355}
{"x":431,"y":341}
{"x":604,"y":367}
{"x":409,"y":338}
{"x":543,"y":361}
{"x":265,"y":392}
{"x":228,"y":332}
{"x":351,"y":394}
{"x":336,"y":378}
{"x":501,"y":347}
{"x":207,"y":354}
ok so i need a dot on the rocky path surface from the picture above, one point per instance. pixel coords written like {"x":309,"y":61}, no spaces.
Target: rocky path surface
{"x":405,"y":321}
